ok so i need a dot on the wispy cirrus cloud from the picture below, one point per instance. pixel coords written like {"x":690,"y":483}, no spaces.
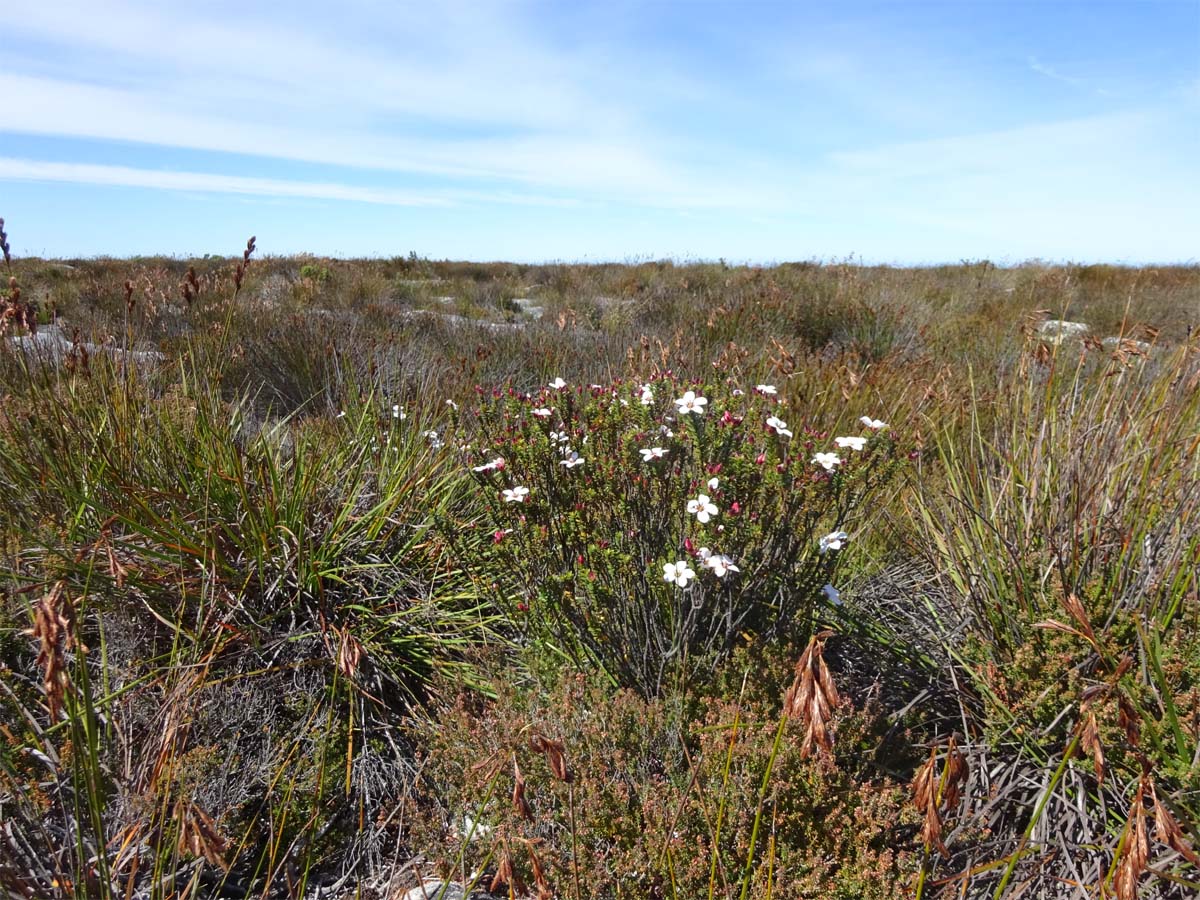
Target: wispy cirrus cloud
{"x":125,"y":176}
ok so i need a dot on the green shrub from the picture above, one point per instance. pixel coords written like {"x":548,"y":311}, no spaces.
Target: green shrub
{"x":651,"y":540}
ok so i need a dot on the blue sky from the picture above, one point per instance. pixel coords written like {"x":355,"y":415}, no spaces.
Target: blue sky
{"x":891,"y":132}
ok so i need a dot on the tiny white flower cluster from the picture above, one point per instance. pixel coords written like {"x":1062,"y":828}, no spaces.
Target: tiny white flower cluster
{"x":720,"y":564}
{"x":497,"y":463}
{"x":830,"y":461}
{"x":835,"y":540}
{"x":778,"y":426}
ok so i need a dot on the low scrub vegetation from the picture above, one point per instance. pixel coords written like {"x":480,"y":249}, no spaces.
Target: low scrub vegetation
{"x":339,"y":578}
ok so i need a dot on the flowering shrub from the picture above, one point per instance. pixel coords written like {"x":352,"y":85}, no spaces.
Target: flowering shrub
{"x":650,"y":527}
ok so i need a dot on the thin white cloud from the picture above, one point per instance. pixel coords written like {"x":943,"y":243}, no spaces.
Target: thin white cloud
{"x":124,"y":176}
{"x":1051,"y":72}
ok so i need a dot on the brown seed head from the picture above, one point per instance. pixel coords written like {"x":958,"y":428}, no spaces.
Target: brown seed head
{"x":1168,"y":831}
{"x":520,"y":804}
{"x":812,"y":698}
{"x":556,"y":757}
{"x":1136,"y":851}
{"x":54,"y":629}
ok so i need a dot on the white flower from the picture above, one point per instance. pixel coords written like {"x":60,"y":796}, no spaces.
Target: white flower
{"x":778,"y":426}
{"x":720,"y":564}
{"x":435,"y":439}
{"x":738,"y":392}
{"x":474,"y":831}
{"x":832,"y":594}
{"x":452,"y":404}
{"x":558,"y":384}
{"x":873,"y":424}
{"x":647,"y":396}
{"x":542,"y":413}
{"x":678,"y":572}
{"x":559,"y":437}
{"x":767,"y":389}
{"x":516,"y":495}
{"x":854,"y":443}
{"x":835,"y":540}
{"x":572,"y":461}
{"x":703,"y":508}
{"x":497,"y":463}
{"x":398,"y":412}
{"x":827,"y":461}
{"x":714,"y":483}
{"x":690,"y":403}
{"x":666,"y":432}
{"x":652,"y":453}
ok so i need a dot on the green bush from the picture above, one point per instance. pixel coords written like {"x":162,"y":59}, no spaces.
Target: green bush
{"x":650,"y":540}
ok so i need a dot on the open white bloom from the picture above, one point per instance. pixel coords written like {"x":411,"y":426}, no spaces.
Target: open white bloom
{"x":516,"y":495}
{"x":558,"y":384}
{"x":678,"y":572}
{"x":652,"y":453}
{"x":854,"y":443}
{"x":542,"y":413}
{"x":778,"y":426}
{"x":768,"y":389}
{"x":559,"y":437}
{"x":497,"y":463}
{"x":873,"y":424}
{"x":702,"y":508}
{"x":647,"y":395}
{"x":398,"y":412}
{"x":835,"y":540}
{"x":827,"y":461}
{"x":832,"y":594}
{"x":572,"y":461}
{"x":714,"y":483}
{"x":720,"y":564}
{"x":690,"y":403}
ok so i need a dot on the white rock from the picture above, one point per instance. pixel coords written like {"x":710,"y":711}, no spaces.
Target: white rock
{"x":1057,"y":330}
{"x":527,"y":306}
{"x":436,"y":890}
{"x":1126,"y":344}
